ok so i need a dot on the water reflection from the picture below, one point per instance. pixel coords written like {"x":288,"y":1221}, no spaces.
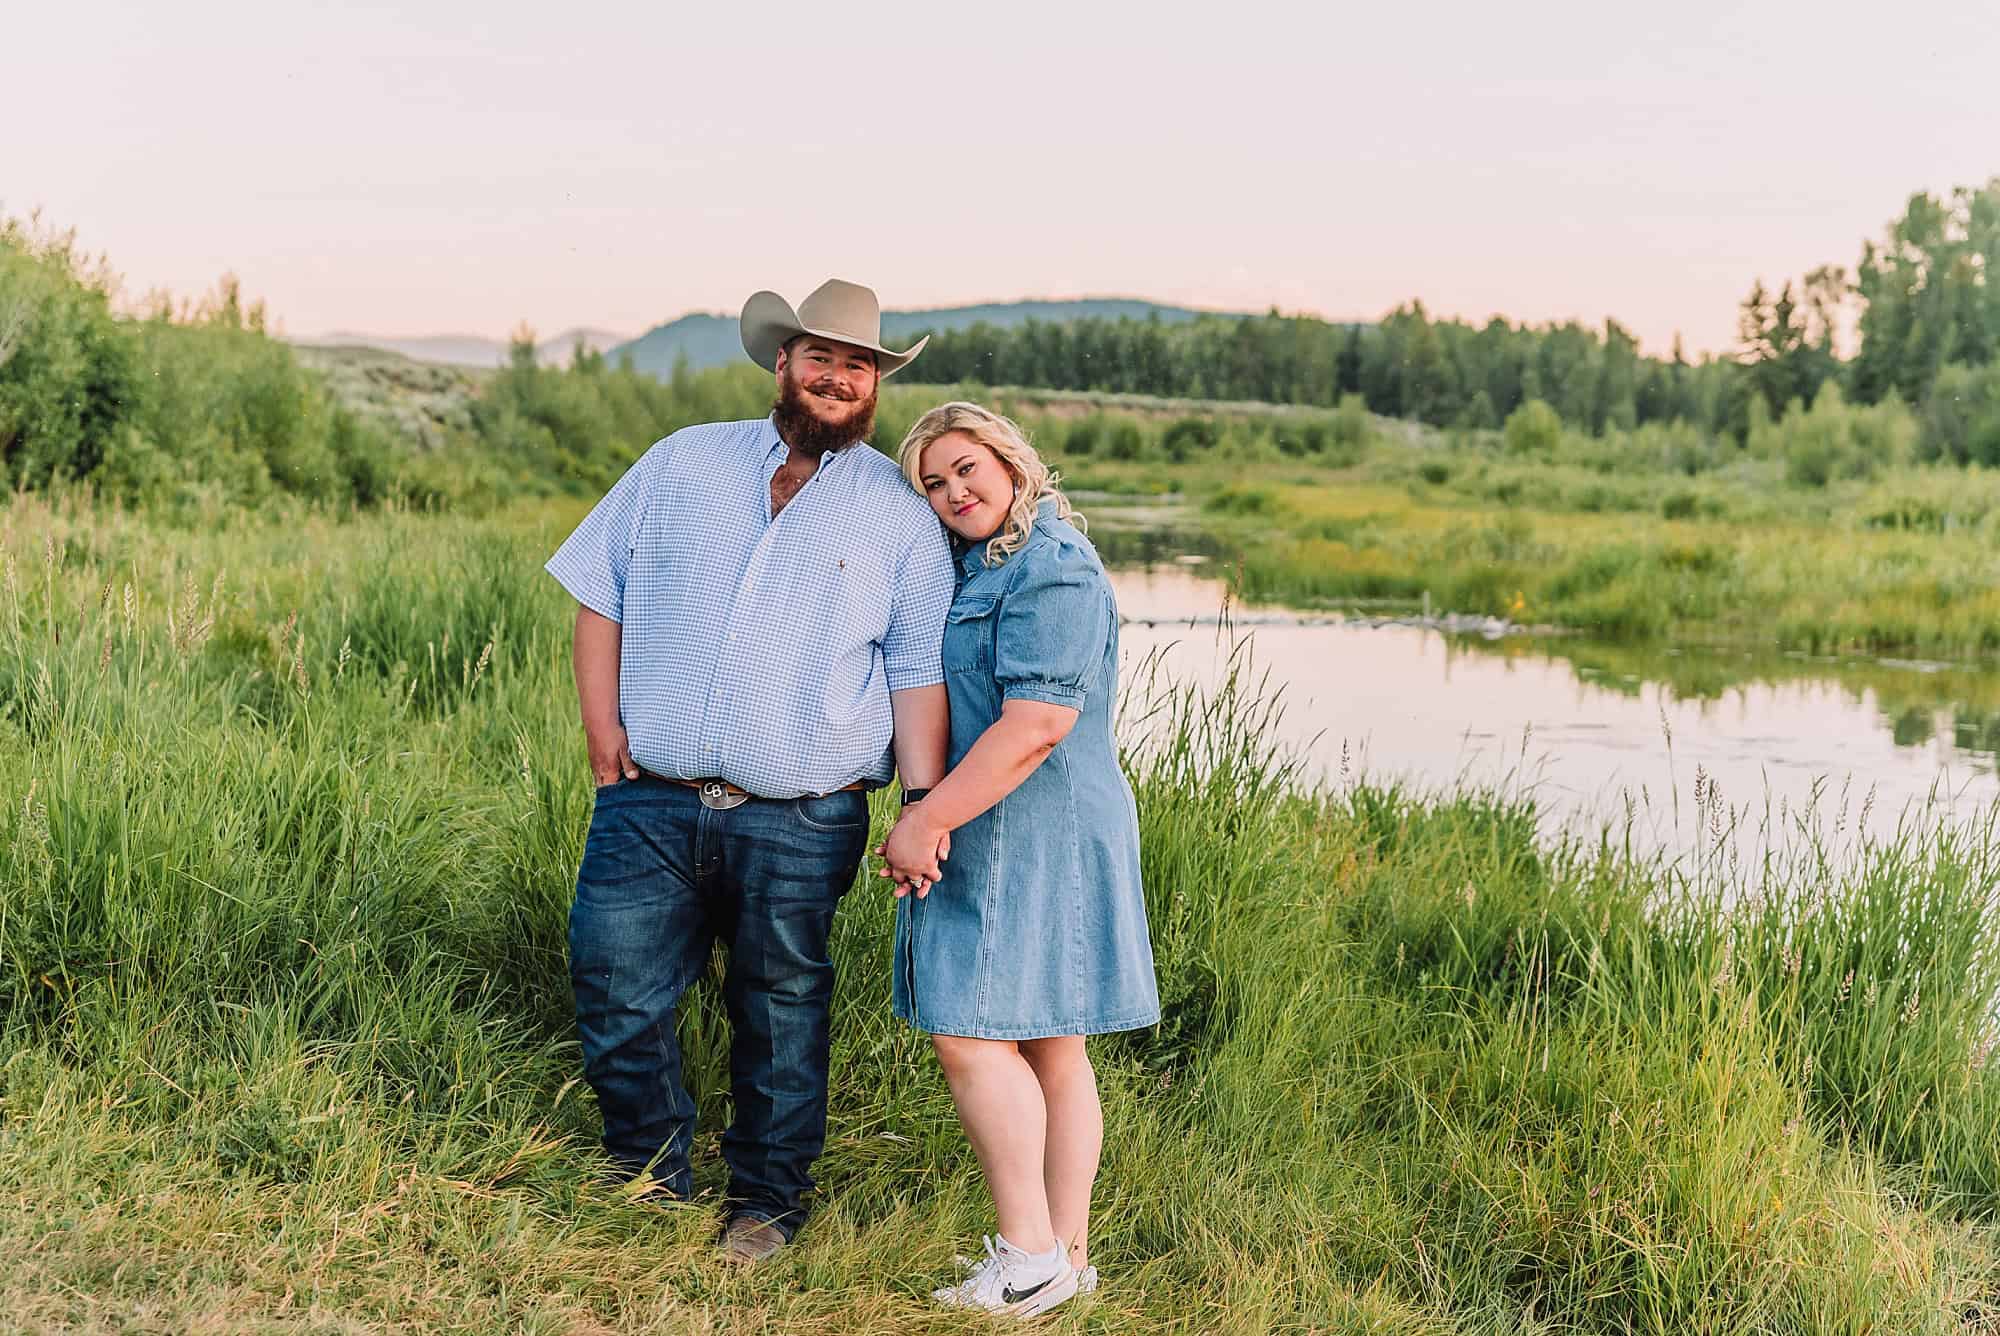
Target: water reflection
{"x":1600,"y":733}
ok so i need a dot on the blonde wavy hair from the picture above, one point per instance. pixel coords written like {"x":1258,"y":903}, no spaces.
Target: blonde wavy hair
{"x":1034,"y":481}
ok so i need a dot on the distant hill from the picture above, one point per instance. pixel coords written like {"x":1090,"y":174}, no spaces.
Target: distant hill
{"x":713,"y":340}
{"x":468,"y":349}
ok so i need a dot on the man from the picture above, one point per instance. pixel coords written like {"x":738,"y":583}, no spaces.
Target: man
{"x":759,"y":610}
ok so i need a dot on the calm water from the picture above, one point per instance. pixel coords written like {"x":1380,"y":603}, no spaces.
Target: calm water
{"x":1598,"y":733}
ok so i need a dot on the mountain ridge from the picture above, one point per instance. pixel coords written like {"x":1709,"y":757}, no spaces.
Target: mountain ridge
{"x":709,"y":339}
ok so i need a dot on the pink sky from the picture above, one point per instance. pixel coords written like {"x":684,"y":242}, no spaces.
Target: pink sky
{"x":617,"y":165}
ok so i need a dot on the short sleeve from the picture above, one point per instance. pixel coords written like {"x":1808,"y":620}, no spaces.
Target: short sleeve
{"x":1054,"y":629}
{"x":917,"y":607}
{"x":592,"y":561}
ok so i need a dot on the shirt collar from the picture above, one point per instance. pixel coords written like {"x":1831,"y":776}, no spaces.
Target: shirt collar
{"x":774,"y":444}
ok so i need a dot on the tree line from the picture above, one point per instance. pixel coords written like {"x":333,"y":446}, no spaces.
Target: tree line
{"x":1923,"y":303}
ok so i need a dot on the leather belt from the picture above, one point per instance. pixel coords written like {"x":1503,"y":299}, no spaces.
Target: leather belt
{"x":720,"y":795}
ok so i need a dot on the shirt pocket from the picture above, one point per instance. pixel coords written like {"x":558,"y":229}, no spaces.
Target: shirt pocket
{"x":968,"y":635}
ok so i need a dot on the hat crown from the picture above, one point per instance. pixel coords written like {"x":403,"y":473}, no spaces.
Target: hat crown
{"x":839,"y":308}
{"x":839,"y":311}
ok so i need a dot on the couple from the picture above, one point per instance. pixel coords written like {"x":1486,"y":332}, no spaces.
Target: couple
{"x":773,"y":620}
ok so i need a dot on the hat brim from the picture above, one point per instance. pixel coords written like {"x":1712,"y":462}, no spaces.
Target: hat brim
{"x":769,"y":322}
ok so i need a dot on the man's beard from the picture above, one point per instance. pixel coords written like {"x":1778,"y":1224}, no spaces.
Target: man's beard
{"x":801,"y":428}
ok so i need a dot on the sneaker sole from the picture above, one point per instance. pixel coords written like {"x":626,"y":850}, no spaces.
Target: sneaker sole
{"x":1041,"y":1301}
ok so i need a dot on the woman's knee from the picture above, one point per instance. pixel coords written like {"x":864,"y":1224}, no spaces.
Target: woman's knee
{"x":1059,"y":1054}
{"x":958,"y":1053}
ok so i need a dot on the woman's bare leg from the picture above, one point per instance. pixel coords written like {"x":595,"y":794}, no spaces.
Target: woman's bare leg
{"x":1000,"y":1106}
{"x":1074,"y":1138}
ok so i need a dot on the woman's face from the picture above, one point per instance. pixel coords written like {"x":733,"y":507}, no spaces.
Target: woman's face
{"x":968,"y":486}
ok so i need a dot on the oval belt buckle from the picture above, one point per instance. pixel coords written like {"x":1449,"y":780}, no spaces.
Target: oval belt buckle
{"x":715,"y":796}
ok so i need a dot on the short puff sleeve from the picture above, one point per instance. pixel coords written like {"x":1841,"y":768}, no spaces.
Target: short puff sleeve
{"x":1054,"y":629}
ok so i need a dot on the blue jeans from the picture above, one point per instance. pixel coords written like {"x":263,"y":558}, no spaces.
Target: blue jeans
{"x":663,"y":878}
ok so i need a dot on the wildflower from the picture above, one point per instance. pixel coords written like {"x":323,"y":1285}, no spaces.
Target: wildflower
{"x":1846,"y":987}
{"x":1725,"y":974}
{"x":1471,"y":894}
{"x":1910,"y":1008}
{"x":346,"y":652}
{"x":1868,"y":998}
{"x":1806,"y":1069}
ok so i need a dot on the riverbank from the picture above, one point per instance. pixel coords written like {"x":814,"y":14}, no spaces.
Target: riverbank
{"x":288,"y":815}
{"x":1598,"y":537}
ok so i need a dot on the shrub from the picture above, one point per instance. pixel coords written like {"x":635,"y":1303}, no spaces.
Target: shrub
{"x":1124,"y":440}
{"x":1186,"y":435}
{"x":66,"y":372}
{"x":1533,"y":428}
{"x":1351,"y":422}
{"x":1242,"y":501}
{"x":1961,"y":416}
{"x":1083,"y":435}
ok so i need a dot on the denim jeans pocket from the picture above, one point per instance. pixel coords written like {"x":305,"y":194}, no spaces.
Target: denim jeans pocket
{"x":832,"y":812}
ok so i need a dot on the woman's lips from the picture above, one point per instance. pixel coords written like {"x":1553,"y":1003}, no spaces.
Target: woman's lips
{"x":967,"y":508}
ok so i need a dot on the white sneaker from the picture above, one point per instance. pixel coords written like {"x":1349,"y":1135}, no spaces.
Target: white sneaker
{"x":1086,"y":1279}
{"x":1010,"y":1281}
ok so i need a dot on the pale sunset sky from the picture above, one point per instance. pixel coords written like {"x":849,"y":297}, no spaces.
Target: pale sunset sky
{"x":431,"y":167}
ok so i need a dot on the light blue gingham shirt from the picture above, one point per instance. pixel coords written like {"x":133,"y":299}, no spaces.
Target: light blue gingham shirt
{"x":756,"y":650}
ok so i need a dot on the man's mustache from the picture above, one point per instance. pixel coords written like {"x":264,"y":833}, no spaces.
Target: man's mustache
{"x":827,"y":389}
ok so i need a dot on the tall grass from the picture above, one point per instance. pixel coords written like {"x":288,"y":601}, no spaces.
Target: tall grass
{"x":288,"y":819}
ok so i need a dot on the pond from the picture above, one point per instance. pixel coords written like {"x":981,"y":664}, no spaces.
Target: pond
{"x":1602,"y":736}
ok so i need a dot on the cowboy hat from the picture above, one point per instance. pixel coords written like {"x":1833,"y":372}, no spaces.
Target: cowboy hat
{"x":843,"y":312}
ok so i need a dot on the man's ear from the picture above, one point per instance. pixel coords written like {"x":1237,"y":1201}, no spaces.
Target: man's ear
{"x":784,"y":356}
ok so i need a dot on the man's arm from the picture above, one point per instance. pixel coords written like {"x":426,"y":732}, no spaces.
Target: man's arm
{"x":923,"y":730}
{"x":594,"y":655}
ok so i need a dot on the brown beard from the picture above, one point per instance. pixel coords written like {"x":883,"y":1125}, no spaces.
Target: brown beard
{"x":800,"y":427}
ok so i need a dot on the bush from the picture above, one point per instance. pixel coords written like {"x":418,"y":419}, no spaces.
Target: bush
{"x":1961,"y":419}
{"x":1532,"y":429}
{"x":1083,"y":436}
{"x":1351,"y":426}
{"x":1835,"y":440}
{"x":1186,"y":435}
{"x":1242,"y":501}
{"x":1124,"y":441}
{"x":66,"y":373}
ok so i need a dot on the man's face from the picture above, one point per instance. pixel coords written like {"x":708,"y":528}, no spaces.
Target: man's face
{"x":833,"y":382}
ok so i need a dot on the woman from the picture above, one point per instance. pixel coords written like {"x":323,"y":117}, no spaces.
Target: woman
{"x":1037,"y":936}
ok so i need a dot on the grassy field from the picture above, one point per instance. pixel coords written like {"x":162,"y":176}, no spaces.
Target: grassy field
{"x":289,"y":812}
{"x":1823,"y":535}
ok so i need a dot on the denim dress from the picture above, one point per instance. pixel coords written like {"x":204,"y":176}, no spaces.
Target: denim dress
{"x":1039,"y":926}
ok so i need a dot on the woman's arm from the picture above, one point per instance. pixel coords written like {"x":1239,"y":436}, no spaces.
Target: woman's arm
{"x":1004,"y":755}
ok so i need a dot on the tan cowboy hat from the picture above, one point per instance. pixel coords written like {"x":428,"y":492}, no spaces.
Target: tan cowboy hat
{"x":843,"y":312}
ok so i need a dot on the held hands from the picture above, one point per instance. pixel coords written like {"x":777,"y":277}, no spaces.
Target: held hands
{"x":610,"y":756}
{"x":914,"y":852}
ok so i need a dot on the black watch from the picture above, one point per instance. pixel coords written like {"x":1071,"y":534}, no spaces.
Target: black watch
{"x":914,"y":796}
